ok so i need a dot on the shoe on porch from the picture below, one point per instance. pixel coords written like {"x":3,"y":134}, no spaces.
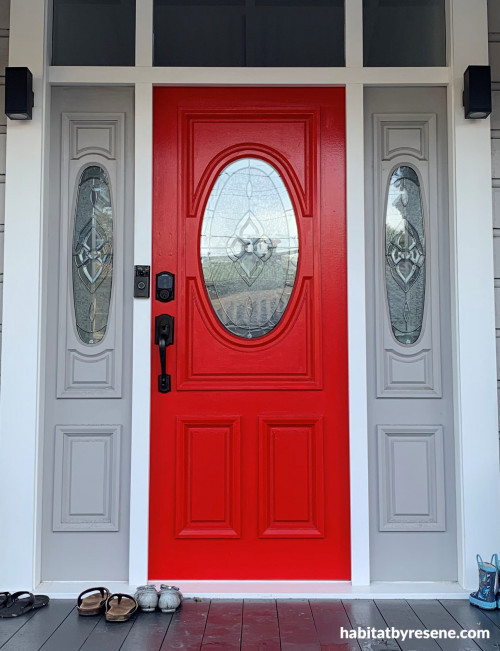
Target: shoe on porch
{"x":486,"y":595}
{"x":147,"y":598}
{"x":170,"y":598}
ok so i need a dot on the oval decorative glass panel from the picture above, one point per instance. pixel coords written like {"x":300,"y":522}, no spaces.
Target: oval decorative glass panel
{"x":249,"y":248}
{"x":405,"y":255}
{"x":92,"y":255}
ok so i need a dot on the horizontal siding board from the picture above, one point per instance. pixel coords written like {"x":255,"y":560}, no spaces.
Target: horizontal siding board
{"x":496,"y":250}
{"x":494,"y":49}
{"x":496,"y":208}
{"x":494,"y":17}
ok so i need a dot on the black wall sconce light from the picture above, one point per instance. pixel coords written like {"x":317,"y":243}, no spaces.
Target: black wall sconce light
{"x":19,"y":98}
{"x":477,"y":92}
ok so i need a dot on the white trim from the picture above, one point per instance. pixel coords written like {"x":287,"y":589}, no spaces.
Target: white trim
{"x":141,"y":346}
{"x":472,"y":276}
{"x":356,"y":310}
{"x":353,"y":28}
{"x":71,"y":75}
{"x":278,"y":589}
{"x":21,"y":345}
{"x":144,"y":33}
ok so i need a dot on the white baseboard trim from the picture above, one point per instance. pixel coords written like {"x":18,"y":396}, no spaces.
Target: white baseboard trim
{"x":275,"y":589}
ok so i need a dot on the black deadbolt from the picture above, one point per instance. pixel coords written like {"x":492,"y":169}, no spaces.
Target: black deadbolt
{"x":165,"y":287}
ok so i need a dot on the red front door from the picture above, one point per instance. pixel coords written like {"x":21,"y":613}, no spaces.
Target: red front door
{"x":249,"y":449}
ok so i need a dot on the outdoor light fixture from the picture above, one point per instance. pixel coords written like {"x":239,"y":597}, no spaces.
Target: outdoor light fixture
{"x":477,"y":92}
{"x":19,"y":98}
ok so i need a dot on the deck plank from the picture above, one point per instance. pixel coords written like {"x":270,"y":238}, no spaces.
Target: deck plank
{"x":40,"y":627}
{"x":397,"y":613}
{"x":257,"y":624}
{"x":108,"y":636}
{"x":363,"y":613}
{"x":187,"y":626}
{"x":260,"y":626}
{"x":148,"y":632}
{"x":224,"y":623}
{"x":329,"y":617}
{"x":494,"y":615}
{"x":9,"y":627}
{"x":471,"y":617}
{"x":434,"y":616}
{"x":72,"y":633}
{"x":297,"y":629}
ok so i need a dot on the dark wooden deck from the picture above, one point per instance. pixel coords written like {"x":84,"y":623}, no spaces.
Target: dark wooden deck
{"x":292,"y":625}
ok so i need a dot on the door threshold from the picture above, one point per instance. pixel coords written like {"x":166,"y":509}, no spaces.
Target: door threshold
{"x":275,"y":589}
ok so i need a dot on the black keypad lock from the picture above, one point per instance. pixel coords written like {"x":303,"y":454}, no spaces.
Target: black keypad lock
{"x":165,"y":287}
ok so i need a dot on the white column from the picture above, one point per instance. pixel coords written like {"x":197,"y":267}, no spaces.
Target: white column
{"x":19,"y":418}
{"x":141,"y":348}
{"x":356,"y":302}
{"x":474,"y":332}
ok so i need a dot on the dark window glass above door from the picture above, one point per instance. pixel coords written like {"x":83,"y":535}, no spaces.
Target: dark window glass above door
{"x":260,"y":33}
{"x":93,"y":33}
{"x":404,"y":33}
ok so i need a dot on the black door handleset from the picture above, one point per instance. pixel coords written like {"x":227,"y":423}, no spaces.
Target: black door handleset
{"x":164,"y":336}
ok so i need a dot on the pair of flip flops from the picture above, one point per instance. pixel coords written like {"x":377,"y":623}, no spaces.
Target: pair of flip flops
{"x":20,"y":603}
{"x":117,"y":607}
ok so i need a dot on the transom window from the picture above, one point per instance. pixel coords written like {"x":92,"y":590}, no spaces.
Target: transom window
{"x":256,"y":33}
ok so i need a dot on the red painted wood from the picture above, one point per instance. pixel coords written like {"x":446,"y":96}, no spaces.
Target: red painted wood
{"x":219,"y":441}
{"x":249,"y":452}
{"x":291,"y":489}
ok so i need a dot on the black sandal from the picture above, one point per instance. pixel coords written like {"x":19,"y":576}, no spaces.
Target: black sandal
{"x":94,"y":603}
{"x":13,"y":605}
{"x":120,"y":607}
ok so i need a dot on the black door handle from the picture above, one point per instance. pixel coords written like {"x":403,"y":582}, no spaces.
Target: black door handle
{"x":164,"y":336}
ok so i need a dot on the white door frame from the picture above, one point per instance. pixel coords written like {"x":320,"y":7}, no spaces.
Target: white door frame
{"x":472,"y":268}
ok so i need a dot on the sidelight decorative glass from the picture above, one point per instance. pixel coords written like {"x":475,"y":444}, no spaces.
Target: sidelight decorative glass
{"x":405,"y":255}
{"x":249,"y":248}
{"x":92,"y":255}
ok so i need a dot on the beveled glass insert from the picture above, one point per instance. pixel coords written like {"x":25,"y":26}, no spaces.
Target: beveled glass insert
{"x":92,"y":255}
{"x":405,"y":255}
{"x":404,"y":33}
{"x":249,"y":248}
{"x":93,"y":33}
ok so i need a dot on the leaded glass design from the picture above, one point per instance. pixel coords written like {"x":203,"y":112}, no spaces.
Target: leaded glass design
{"x":92,"y":255}
{"x":405,"y":255}
{"x":249,"y":248}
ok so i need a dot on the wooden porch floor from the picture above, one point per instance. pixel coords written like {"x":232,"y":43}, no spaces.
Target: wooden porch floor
{"x":292,"y":625}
